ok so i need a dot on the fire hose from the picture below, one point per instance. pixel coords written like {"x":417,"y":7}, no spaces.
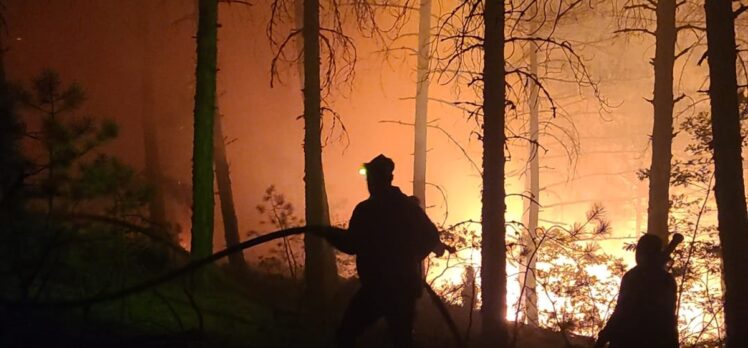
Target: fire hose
{"x":190,"y":267}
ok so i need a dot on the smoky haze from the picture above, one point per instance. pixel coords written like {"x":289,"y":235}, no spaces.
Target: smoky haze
{"x":593,"y":155}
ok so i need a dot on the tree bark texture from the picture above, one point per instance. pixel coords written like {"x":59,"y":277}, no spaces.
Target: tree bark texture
{"x":320,"y":269}
{"x":202,"y":150}
{"x":422,"y":102}
{"x":729,"y":190}
{"x":662,"y":129}
{"x":226,"y":195}
{"x":493,"y":242}
{"x":533,"y":209}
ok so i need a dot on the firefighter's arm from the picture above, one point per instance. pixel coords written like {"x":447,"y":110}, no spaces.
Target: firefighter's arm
{"x":428,"y":234}
{"x":441,"y":248}
{"x":348,"y":241}
{"x":604,"y":336}
{"x":341,"y":241}
{"x":672,"y":303}
{"x":619,"y":315}
{"x":432,"y":233}
{"x":602,"y":339}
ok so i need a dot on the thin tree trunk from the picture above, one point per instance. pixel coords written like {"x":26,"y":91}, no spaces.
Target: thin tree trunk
{"x":320,"y":267}
{"x":7,"y":136}
{"x":493,"y":242}
{"x":533,"y":208}
{"x":662,"y":129}
{"x":3,"y":49}
{"x":157,"y":206}
{"x":226,"y":196}
{"x":205,"y":108}
{"x":299,"y":21}
{"x":422,"y":103}
{"x":11,"y":168}
{"x":729,"y":189}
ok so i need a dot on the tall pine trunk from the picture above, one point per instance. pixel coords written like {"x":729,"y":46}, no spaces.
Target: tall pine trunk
{"x":493,"y":242}
{"x":226,"y":196}
{"x":320,"y":269}
{"x":422,"y":102}
{"x":662,"y":129}
{"x":729,"y":189}
{"x":11,"y":164}
{"x":157,"y":206}
{"x":533,"y":209}
{"x":202,"y":149}
{"x":8,"y":137}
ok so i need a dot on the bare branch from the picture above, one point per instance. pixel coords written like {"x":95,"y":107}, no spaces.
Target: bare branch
{"x":686,"y":50}
{"x":740,"y":11}
{"x":641,"y":6}
{"x":635,"y":30}
{"x":690,"y":27}
{"x":451,"y":139}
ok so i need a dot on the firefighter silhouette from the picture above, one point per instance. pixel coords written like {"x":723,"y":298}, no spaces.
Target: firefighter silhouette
{"x":390,"y":235}
{"x":644,"y":316}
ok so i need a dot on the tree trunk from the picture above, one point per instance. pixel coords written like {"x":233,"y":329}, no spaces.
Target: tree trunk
{"x":662,"y":129}
{"x":493,"y":242}
{"x":729,"y":189}
{"x":157,"y":206}
{"x":320,"y":268}
{"x":202,"y":150}
{"x":533,"y":208}
{"x":422,"y":102}
{"x":11,"y":164}
{"x":225,"y":194}
{"x":8,"y":137}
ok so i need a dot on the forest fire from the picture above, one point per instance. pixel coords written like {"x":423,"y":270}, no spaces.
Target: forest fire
{"x":192,"y":170}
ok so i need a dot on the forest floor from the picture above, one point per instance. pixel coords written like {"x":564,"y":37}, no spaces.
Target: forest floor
{"x":226,"y":315}
{"x":218,"y":312}
{"x":217,"y":307}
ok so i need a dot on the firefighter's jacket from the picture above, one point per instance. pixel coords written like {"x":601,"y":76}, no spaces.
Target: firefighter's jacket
{"x":645,"y":313}
{"x":390,"y":236}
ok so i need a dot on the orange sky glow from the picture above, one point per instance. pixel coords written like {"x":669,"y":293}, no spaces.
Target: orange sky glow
{"x":591,"y":156}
